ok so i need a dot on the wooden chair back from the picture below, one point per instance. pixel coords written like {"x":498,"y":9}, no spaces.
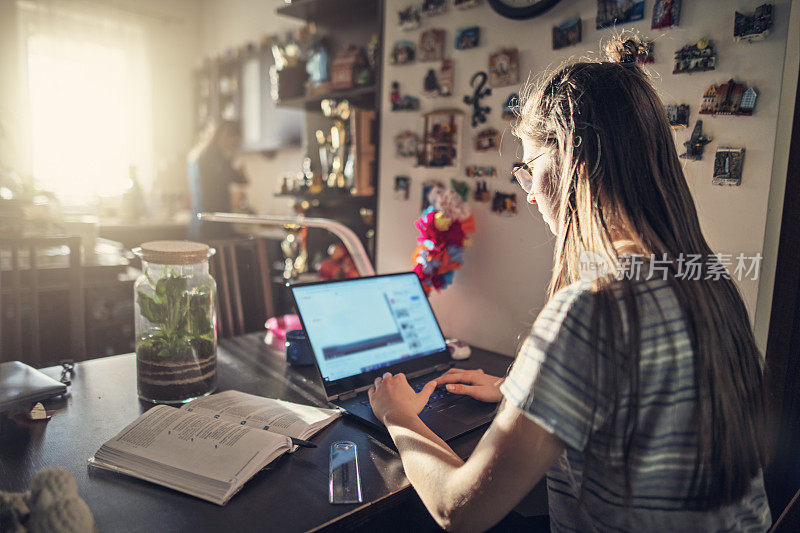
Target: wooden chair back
{"x":789,"y":520}
{"x":24,"y":280}
{"x":244,"y":290}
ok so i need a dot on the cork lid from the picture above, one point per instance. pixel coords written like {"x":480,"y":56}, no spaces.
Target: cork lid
{"x":173,"y":252}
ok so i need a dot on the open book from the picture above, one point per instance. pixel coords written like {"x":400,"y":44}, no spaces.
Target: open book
{"x":210,"y":446}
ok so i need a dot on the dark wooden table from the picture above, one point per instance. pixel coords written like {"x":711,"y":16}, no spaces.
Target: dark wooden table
{"x":291,"y":495}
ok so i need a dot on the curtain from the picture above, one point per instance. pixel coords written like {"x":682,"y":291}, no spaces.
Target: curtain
{"x":88,"y":90}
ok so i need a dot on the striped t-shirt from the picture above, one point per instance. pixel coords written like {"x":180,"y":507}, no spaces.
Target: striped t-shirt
{"x":552,"y":382}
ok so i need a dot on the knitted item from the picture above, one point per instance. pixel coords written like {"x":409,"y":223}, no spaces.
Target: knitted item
{"x":52,"y":505}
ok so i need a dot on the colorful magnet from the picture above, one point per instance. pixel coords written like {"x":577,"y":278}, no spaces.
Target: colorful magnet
{"x":504,"y":204}
{"x":487,"y":139}
{"x":728,"y":164}
{"x":409,"y":18}
{"x":402,"y":103}
{"x":753,"y":27}
{"x":439,"y":83}
{"x":402,"y":185}
{"x":567,"y":33}
{"x":431,"y":45}
{"x":406,"y":144}
{"x":403,"y":53}
{"x":427,"y":187}
{"x":729,"y":98}
{"x":678,"y":116}
{"x":479,"y":112}
{"x":477,"y":171}
{"x":482,"y":192}
{"x":666,"y":14}
{"x":461,"y":187}
{"x":696,"y":143}
{"x":615,"y":12}
{"x":467,"y":38}
{"x":697,"y":57}
{"x":511,"y":107}
{"x":504,"y":67}
{"x":442,"y":138}
{"x":646,"y":53}
{"x":432,"y":8}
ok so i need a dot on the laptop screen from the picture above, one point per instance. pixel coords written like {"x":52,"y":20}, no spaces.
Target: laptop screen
{"x":361,"y":325}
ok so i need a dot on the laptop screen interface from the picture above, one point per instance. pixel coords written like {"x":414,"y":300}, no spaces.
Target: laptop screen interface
{"x":362,"y":325}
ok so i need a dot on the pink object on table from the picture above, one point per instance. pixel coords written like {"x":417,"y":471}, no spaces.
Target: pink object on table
{"x":279,"y":325}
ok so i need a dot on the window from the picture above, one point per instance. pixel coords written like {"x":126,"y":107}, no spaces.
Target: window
{"x":88,"y":100}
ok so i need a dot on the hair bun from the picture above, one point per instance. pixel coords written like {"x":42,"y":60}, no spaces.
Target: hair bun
{"x":624,"y":50}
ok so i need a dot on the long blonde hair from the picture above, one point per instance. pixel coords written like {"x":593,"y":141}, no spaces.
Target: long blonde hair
{"x":615,"y":171}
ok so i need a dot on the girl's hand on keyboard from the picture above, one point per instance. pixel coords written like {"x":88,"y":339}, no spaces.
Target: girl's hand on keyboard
{"x":472,"y":383}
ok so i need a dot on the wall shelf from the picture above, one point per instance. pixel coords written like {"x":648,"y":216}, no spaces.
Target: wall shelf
{"x":343,"y":196}
{"x":324,"y":12}
{"x":360,"y":96}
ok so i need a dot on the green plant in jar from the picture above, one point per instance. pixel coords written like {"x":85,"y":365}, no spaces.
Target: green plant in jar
{"x":180,"y":317}
{"x":176,"y":339}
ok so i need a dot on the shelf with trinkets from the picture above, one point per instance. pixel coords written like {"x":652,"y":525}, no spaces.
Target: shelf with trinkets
{"x":362,"y":96}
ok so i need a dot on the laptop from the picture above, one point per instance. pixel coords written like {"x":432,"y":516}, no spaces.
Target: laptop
{"x":360,"y":328}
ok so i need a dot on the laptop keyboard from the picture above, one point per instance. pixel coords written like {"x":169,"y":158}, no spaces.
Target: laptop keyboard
{"x":440,"y":397}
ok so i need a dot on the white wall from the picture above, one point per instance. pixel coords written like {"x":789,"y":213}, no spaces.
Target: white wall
{"x":231,"y":24}
{"x":501,"y":287}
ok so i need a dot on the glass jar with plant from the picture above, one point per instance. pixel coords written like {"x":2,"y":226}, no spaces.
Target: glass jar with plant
{"x":176,"y":339}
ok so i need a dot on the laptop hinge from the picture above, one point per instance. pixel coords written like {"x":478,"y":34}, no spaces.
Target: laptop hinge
{"x":348,"y":395}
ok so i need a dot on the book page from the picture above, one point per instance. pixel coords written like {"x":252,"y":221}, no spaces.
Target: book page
{"x":278,"y":416}
{"x":195,"y":443}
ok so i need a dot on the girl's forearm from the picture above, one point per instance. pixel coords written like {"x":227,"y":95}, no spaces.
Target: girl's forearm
{"x":429,"y":464}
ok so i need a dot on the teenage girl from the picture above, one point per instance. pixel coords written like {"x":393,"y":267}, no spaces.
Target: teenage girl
{"x":638,"y":395}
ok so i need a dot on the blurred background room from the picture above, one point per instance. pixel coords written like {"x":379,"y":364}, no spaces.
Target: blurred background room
{"x":120,"y":120}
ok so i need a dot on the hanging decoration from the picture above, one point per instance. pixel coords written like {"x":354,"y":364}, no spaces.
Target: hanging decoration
{"x":479,"y":112}
{"x":443,"y":227}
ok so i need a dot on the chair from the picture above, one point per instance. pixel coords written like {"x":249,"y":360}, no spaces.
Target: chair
{"x":244,"y":289}
{"x":26,"y":275}
{"x":789,"y":520}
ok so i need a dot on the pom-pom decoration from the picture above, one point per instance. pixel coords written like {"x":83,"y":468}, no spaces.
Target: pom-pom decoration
{"x":443,"y":230}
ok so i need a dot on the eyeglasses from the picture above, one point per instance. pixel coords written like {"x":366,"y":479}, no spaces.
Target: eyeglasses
{"x":523,"y":175}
